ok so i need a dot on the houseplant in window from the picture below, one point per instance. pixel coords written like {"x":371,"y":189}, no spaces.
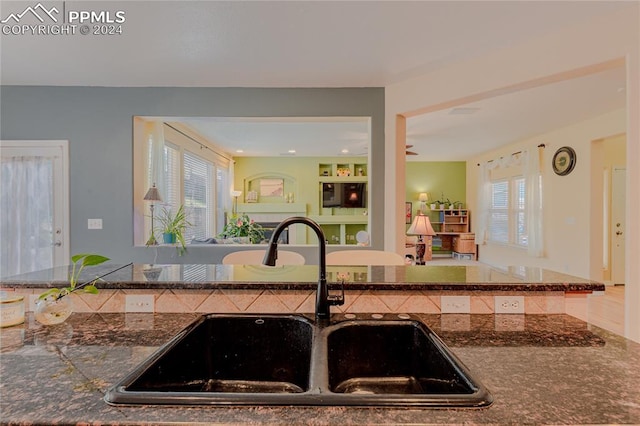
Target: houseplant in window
{"x":52,"y":307}
{"x":243,"y":227}
{"x":173,"y":226}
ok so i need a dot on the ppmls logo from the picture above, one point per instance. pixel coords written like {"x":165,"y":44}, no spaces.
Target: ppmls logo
{"x":38,"y":11}
{"x":43,"y":20}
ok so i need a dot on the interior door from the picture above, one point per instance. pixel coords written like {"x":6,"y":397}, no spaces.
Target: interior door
{"x":618,"y":186}
{"x":34,"y":204}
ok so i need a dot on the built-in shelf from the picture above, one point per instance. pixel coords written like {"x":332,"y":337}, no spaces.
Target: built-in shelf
{"x":352,"y":169}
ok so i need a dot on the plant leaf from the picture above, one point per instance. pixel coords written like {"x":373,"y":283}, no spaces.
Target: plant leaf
{"x":77,"y":257}
{"x":49,"y":292}
{"x":93,"y":259}
{"x":90,"y":289}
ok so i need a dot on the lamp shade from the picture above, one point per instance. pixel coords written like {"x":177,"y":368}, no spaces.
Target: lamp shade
{"x":423,"y":197}
{"x":421,"y":226}
{"x":153,"y":194}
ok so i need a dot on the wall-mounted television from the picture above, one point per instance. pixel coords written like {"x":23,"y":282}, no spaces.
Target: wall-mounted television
{"x":343,"y":194}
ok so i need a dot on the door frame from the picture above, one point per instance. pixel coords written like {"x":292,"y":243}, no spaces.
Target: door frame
{"x":61,"y":196}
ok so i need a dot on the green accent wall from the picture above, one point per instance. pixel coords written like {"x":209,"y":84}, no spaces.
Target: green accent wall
{"x":436,"y":178}
{"x":304,"y":170}
{"x":302,"y":177}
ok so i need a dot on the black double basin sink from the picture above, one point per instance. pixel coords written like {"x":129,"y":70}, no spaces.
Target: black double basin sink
{"x":290,"y":360}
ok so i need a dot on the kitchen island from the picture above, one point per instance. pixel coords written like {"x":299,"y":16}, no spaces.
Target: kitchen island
{"x":540,"y":369}
{"x":291,"y":289}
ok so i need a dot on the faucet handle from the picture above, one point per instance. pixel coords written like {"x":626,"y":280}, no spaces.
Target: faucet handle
{"x":337,"y":299}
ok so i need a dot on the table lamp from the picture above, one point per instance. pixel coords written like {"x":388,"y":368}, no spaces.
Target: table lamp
{"x":421,"y":227}
{"x":423,"y":198}
{"x":152,"y":195}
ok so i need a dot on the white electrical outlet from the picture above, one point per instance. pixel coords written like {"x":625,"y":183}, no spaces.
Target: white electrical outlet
{"x":509,"y":304}
{"x":139,"y":303}
{"x":455,"y":304}
{"x":94,"y":223}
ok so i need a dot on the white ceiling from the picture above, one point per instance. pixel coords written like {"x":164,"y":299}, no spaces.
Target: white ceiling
{"x":278,"y":136}
{"x":320,"y":44}
{"x":492,"y":123}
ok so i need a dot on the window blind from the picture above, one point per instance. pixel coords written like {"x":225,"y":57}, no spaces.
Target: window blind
{"x":519,"y":215}
{"x":499,"y":212}
{"x":198,"y":189}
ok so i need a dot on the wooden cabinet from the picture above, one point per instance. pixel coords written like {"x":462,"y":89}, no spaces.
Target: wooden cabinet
{"x":464,"y":243}
{"x":453,"y":227}
{"x":450,"y":220}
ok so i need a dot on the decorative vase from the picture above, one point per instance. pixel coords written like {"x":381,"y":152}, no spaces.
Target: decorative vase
{"x":168,"y":238}
{"x":50,"y":310}
{"x":152,"y":274}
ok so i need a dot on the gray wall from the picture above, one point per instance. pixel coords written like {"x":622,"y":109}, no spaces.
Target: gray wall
{"x":97,"y":121}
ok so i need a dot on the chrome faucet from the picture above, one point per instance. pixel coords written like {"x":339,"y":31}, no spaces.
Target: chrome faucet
{"x":323,"y":300}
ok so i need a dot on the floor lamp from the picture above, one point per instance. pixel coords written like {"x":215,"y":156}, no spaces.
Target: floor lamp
{"x":235,"y":195}
{"x":421,"y":227}
{"x":152,"y":195}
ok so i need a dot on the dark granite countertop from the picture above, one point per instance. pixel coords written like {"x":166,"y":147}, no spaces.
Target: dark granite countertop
{"x":541,"y":369}
{"x":209,"y":276}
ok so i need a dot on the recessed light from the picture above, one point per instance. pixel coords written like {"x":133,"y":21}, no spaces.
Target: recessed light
{"x":239,"y":151}
{"x":345,"y":151}
{"x":292,"y":151}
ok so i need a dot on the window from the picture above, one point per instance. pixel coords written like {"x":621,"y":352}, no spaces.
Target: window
{"x":499,"y":223}
{"x":507,"y":224}
{"x":194,"y":175}
{"x":198,"y":196}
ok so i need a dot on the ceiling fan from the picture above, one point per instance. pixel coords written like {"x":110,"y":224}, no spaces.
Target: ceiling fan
{"x":407,"y":152}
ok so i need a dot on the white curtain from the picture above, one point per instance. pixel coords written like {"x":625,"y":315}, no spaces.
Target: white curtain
{"x":484,"y":197}
{"x":533,"y":213}
{"x":484,"y":201}
{"x":26,"y":208}
{"x":156,"y":160}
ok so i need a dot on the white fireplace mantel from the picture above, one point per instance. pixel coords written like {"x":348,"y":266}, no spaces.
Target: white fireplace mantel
{"x":277,"y":212}
{"x":299,"y":208}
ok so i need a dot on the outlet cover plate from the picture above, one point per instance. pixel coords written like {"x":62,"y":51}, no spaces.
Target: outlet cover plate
{"x":455,"y":304}
{"x":509,"y":304}
{"x":94,"y":223}
{"x":139,"y":303}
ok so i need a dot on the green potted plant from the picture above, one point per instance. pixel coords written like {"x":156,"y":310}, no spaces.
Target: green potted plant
{"x":443,"y":202}
{"x":173,"y":226}
{"x":242,"y":226}
{"x":52,"y":307}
